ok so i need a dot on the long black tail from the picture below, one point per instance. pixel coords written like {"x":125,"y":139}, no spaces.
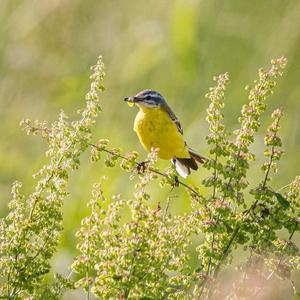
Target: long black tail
{"x":185,"y":165}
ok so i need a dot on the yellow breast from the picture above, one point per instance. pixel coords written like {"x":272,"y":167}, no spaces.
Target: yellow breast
{"x":155,"y":129}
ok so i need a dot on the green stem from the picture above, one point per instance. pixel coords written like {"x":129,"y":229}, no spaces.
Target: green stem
{"x":150,"y":169}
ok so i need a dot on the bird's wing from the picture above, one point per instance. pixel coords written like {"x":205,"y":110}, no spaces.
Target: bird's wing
{"x":174,"y":118}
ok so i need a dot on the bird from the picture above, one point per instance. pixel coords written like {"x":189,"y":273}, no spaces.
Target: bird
{"x":158,"y":127}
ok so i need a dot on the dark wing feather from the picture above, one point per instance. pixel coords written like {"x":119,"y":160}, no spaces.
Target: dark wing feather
{"x":173,"y":117}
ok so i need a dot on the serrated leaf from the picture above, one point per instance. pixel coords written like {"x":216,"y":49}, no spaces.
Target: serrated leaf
{"x":282,"y":200}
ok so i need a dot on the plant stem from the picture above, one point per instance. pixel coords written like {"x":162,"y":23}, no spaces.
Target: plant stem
{"x":150,"y":169}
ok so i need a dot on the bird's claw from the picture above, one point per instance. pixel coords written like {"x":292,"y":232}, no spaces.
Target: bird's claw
{"x":141,"y":167}
{"x":175,"y":183}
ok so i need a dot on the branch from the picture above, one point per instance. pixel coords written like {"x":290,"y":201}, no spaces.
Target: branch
{"x":152,"y":170}
{"x":254,"y":204}
{"x":226,"y":251}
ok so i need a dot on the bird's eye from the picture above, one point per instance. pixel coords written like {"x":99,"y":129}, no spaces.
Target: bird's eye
{"x":148,"y":97}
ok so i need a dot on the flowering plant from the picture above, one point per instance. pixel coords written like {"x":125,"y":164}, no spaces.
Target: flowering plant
{"x":147,"y":255}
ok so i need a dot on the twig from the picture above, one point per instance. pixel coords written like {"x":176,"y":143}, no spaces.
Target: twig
{"x":167,"y":208}
{"x":226,"y":251}
{"x":283,"y":187}
{"x":150,"y":169}
{"x":247,"y":211}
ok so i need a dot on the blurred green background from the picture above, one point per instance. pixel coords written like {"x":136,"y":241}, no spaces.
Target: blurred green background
{"x":174,"y":46}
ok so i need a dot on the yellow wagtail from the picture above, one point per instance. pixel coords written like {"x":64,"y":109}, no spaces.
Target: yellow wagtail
{"x":158,"y":127}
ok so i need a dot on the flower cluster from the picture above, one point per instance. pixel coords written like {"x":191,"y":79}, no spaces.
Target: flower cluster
{"x":136,"y":258}
{"x":210,"y":251}
{"x":136,"y":248}
{"x":240,"y":155}
{"x":29,"y":234}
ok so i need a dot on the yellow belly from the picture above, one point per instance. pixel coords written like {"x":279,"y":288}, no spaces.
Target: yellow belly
{"x":155,"y":129}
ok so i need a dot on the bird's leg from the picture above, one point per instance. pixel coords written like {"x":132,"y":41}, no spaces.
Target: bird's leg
{"x":141,"y":167}
{"x":175,"y":183}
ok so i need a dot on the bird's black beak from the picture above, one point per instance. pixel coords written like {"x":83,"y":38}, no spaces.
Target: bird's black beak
{"x":128,"y":99}
{"x":132,"y":99}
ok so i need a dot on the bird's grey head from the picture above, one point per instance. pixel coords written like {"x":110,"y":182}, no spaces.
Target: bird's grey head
{"x":148,"y":98}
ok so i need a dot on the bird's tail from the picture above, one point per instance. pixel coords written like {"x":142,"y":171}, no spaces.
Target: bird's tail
{"x":185,"y":165}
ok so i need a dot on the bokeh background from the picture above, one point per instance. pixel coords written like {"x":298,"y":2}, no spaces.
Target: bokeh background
{"x":174,"y":46}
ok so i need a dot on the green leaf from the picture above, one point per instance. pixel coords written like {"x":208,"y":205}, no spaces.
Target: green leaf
{"x":117,"y":277}
{"x":282,"y":200}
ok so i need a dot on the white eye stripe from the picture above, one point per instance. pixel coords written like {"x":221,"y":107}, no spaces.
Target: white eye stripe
{"x":150,"y":103}
{"x":154,"y":95}
{"x":150,"y":98}
{"x":151,"y":94}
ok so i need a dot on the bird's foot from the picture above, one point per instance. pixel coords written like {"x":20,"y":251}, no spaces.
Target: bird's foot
{"x":175,"y":183}
{"x":141,"y":167}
